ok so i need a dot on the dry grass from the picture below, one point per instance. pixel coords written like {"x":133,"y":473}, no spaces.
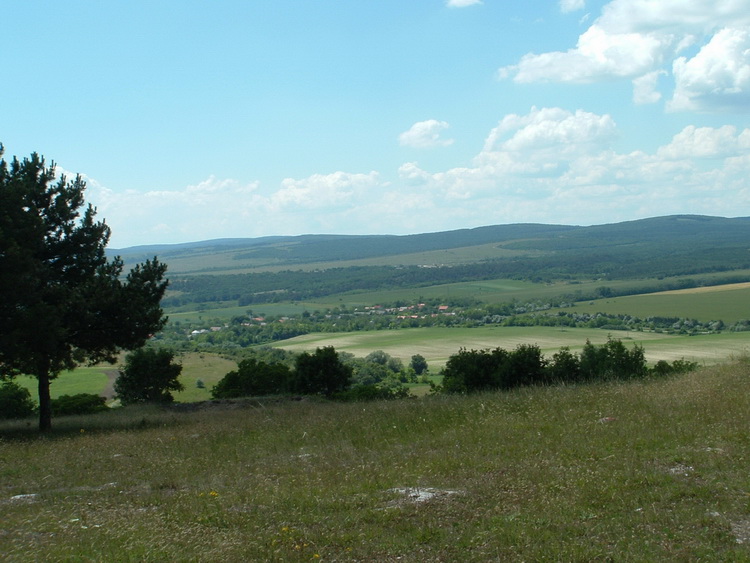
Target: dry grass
{"x":625,"y":472}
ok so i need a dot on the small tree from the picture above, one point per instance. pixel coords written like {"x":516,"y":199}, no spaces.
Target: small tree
{"x":321,"y":372}
{"x":63,"y":302}
{"x":418,"y":364}
{"x":253,"y":378}
{"x":148,"y":377}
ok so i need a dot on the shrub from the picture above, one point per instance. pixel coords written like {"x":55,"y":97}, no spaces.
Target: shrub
{"x":82,"y":403}
{"x":148,"y":377}
{"x":663,"y":367}
{"x":418,"y":364}
{"x":612,"y":361}
{"x":15,"y":401}
{"x":321,"y":373}
{"x":253,"y":378}
{"x":565,"y":367}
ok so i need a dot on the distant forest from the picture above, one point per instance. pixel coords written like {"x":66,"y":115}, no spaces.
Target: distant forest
{"x":653,"y":248}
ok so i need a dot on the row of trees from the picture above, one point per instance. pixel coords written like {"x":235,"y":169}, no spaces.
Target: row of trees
{"x":480,"y":370}
{"x":321,"y":372}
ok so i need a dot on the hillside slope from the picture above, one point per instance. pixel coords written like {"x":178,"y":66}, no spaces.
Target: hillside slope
{"x":679,"y":239}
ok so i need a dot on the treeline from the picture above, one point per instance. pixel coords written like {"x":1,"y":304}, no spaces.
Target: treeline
{"x":342,"y":376}
{"x":483,"y":370}
{"x":297,"y":285}
{"x":324,"y":372}
{"x":244,"y":332}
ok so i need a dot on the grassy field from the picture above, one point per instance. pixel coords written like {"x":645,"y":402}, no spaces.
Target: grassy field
{"x":80,"y":380}
{"x":730,"y":303}
{"x":437,"y":344}
{"x":652,"y":471}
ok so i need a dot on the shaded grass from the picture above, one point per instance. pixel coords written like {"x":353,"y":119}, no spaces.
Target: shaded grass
{"x":627,"y":472}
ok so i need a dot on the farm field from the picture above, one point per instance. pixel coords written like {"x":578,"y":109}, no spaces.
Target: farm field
{"x":437,"y":344}
{"x":729,"y":303}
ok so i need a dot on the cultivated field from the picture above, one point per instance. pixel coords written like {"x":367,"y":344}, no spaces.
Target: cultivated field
{"x":652,"y":471}
{"x":437,"y":344}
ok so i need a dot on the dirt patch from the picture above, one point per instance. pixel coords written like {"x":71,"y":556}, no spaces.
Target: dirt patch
{"x":707,"y":289}
{"x":109,"y":390}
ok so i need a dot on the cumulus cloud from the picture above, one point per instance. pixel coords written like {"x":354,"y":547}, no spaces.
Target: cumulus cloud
{"x":323,"y":190}
{"x":461,"y":3}
{"x":633,"y":39}
{"x":706,"y":142}
{"x":556,"y":166}
{"x":718,"y":76}
{"x":425,"y":135}
{"x":217,"y":208}
{"x":548,"y":165}
{"x":560,"y":130}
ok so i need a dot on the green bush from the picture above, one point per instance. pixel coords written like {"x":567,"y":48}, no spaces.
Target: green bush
{"x":82,"y":403}
{"x":478,"y":370}
{"x":612,"y":361}
{"x":148,"y":377}
{"x":253,"y":378}
{"x":321,"y":373}
{"x":15,"y":401}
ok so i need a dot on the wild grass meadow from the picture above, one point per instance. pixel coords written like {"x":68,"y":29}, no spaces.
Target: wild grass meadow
{"x":646,"y":471}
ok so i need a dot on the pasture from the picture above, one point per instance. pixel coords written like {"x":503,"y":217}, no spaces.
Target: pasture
{"x":729,"y":303}
{"x":647,"y":471}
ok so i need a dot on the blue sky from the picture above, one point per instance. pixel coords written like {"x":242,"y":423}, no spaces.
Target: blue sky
{"x":201,"y":120}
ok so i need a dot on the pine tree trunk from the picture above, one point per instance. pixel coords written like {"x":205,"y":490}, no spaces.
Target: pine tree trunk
{"x":45,"y":403}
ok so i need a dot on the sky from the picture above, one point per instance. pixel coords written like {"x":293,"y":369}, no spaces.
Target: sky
{"x":196,"y":120}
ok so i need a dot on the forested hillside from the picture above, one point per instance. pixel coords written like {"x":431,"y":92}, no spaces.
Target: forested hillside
{"x":660,"y":247}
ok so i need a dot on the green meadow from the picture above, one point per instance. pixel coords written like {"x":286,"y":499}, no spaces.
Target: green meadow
{"x":730,"y":303}
{"x":640,"y":471}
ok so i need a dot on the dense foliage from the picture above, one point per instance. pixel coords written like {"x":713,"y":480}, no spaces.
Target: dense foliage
{"x":253,"y":378}
{"x":340,"y":375}
{"x":480,"y":370}
{"x":63,"y":302}
{"x":81,"y":403}
{"x":149,"y":376}
{"x":15,"y":401}
{"x":321,"y":372}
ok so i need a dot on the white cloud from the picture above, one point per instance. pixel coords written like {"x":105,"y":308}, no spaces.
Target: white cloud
{"x":571,"y":5}
{"x":598,"y":55}
{"x":705,"y":142}
{"x":461,"y":3}
{"x":330,"y":190}
{"x":425,"y":135}
{"x":549,"y":165}
{"x":551,"y":128}
{"x":717,"y":77}
{"x":556,"y":166}
{"x":645,"y":88}
{"x":634,"y":39}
